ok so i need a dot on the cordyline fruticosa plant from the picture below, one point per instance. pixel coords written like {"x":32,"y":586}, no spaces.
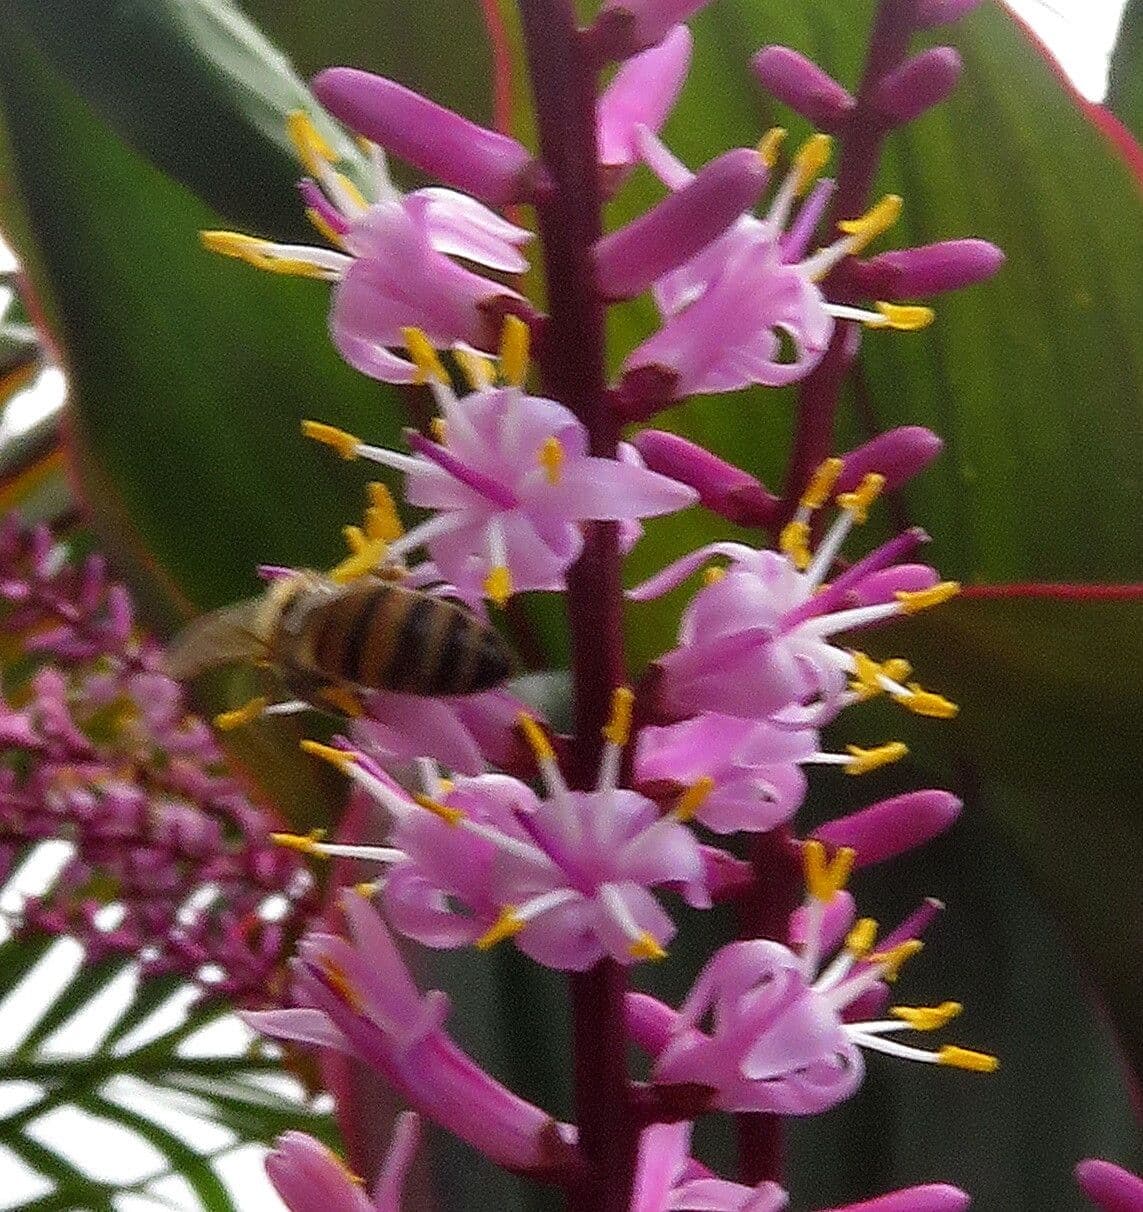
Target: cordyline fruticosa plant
{"x":497,"y":829}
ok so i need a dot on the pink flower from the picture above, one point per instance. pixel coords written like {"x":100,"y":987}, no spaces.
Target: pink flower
{"x":779,"y":1039}
{"x":757,"y":640}
{"x":357,"y":996}
{"x":569,"y":876}
{"x":510,"y":483}
{"x":1109,"y":1187}
{"x":311,"y":1178}
{"x":724,"y":309}
{"x":392,"y":261}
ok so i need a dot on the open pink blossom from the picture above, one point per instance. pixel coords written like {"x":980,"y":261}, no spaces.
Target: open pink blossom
{"x":758,"y":640}
{"x":726,"y":310}
{"x":392,"y":260}
{"x":356,"y":995}
{"x":311,"y":1178}
{"x":570,"y":876}
{"x":510,"y":483}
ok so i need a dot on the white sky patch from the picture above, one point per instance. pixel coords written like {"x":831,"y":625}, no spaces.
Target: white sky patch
{"x":1080,"y":33}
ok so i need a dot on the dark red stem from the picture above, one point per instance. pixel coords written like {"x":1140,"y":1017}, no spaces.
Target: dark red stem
{"x":572,"y":361}
{"x":859,"y":154}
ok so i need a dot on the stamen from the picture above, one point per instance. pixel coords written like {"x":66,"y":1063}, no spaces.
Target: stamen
{"x":794,"y":542}
{"x":313,"y":150}
{"x":475,"y":368}
{"x":438,"y":427}
{"x":809,"y":161}
{"x":645,"y":947}
{"x":866,"y":683}
{"x":450,"y":816}
{"x":498,"y":585}
{"x":617,"y":730}
{"x":821,"y":484}
{"x":515,"y":340}
{"x":537,"y":739}
{"x":506,"y":926}
{"x":858,"y":502}
{"x":924,"y":702}
{"x":341,"y":758}
{"x":298,"y":260}
{"x":916,"y":600}
{"x":824,"y":880}
{"x":906,"y":318}
{"x":927,"y":1018}
{"x":344,"y":443}
{"x":712,"y":575}
{"x":859,"y":941}
{"x":225,"y":721}
{"x":892,"y":961}
{"x":770,"y":144}
{"x":965,"y":1058}
{"x":693,"y":798}
{"x":323,"y":225}
{"x":429,"y":365}
{"x":878,"y":219}
{"x":366,"y":555}
{"x":551,"y":459}
{"x":862,"y":761}
{"x":304,"y":843}
{"x":643,"y":944}
{"x":381,"y":518}
{"x":340,"y":983}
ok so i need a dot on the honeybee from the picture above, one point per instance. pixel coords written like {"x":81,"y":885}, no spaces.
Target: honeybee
{"x":328,"y":640}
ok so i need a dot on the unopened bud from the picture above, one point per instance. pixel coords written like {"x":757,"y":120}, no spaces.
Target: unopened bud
{"x":803,"y":86}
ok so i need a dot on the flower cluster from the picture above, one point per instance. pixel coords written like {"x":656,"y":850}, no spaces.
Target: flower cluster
{"x":169,"y":860}
{"x":489,"y":826}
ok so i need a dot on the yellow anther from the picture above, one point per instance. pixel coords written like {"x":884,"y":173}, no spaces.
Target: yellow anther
{"x":693,"y":798}
{"x":322,"y":224}
{"x":811,"y":158}
{"x":311,"y":146}
{"x":552,"y":458}
{"x":304,"y":843}
{"x":712,"y":575}
{"x":825,"y":879}
{"x":770,"y":144}
{"x":355,"y":195}
{"x":476,"y":369}
{"x":354,"y":538}
{"x":343,"y":700}
{"x":450,"y":816}
{"x":866,"y":683}
{"x":515,"y":340}
{"x":892,"y":961}
{"x":536,"y":737}
{"x":246,"y":714}
{"x":859,"y":501}
{"x":498,"y":585}
{"x":340,"y":758}
{"x":429,"y":366}
{"x":916,"y":600}
{"x":897,"y":669}
{"x":356,"y":1179}
{"x":506,"y":926}
{"x":821,"y":484}
{"x":259,"y":253}
{"x":364,"y":560}
{"x":877,"y":219}
{"x":329,"y":435}
{"x":618,"y":727}
{"x":927,"y":1018}
{"x":381,"y":518}
{"x":862,"y":761}
{"x":906,"y":318}
{"x":795,"y":543}
{"x":924,"y":702}
{"x":859,"y":941}
{"x":339,"y":982}
{"x":965,"y":1058}
{"x":645,"y":947}
{"x":367,"y":889}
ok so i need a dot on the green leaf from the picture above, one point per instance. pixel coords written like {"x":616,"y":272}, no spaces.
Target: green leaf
{"x":1125,"y":78}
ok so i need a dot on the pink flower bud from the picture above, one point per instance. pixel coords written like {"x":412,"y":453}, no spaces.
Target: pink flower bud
{"x":803,"y":86}
{"x":933,"y":1197}
{"x":930,"y":13}
{"x":644,"y":23}
{"x":1109,"y":1187}
{"x":918,"y":84}
{"x":893,"y":826}
{"x":630,"y":260}
{"x":438,"y":141}
{"x":898,"y":455}
{"x":927,"y":270}
{"x":722,"y":487}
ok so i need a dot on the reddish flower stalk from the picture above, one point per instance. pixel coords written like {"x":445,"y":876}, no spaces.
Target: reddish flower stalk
{"x":572,"y":361}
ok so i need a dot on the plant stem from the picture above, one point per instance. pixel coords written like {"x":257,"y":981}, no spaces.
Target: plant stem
{"x":572,"y":361}
{"x":859,"y":155}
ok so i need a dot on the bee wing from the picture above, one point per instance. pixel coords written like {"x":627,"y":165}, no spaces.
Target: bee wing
{"x":214,"y":639}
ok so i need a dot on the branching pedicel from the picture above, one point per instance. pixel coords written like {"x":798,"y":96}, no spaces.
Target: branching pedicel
{"x":536,"y":491}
